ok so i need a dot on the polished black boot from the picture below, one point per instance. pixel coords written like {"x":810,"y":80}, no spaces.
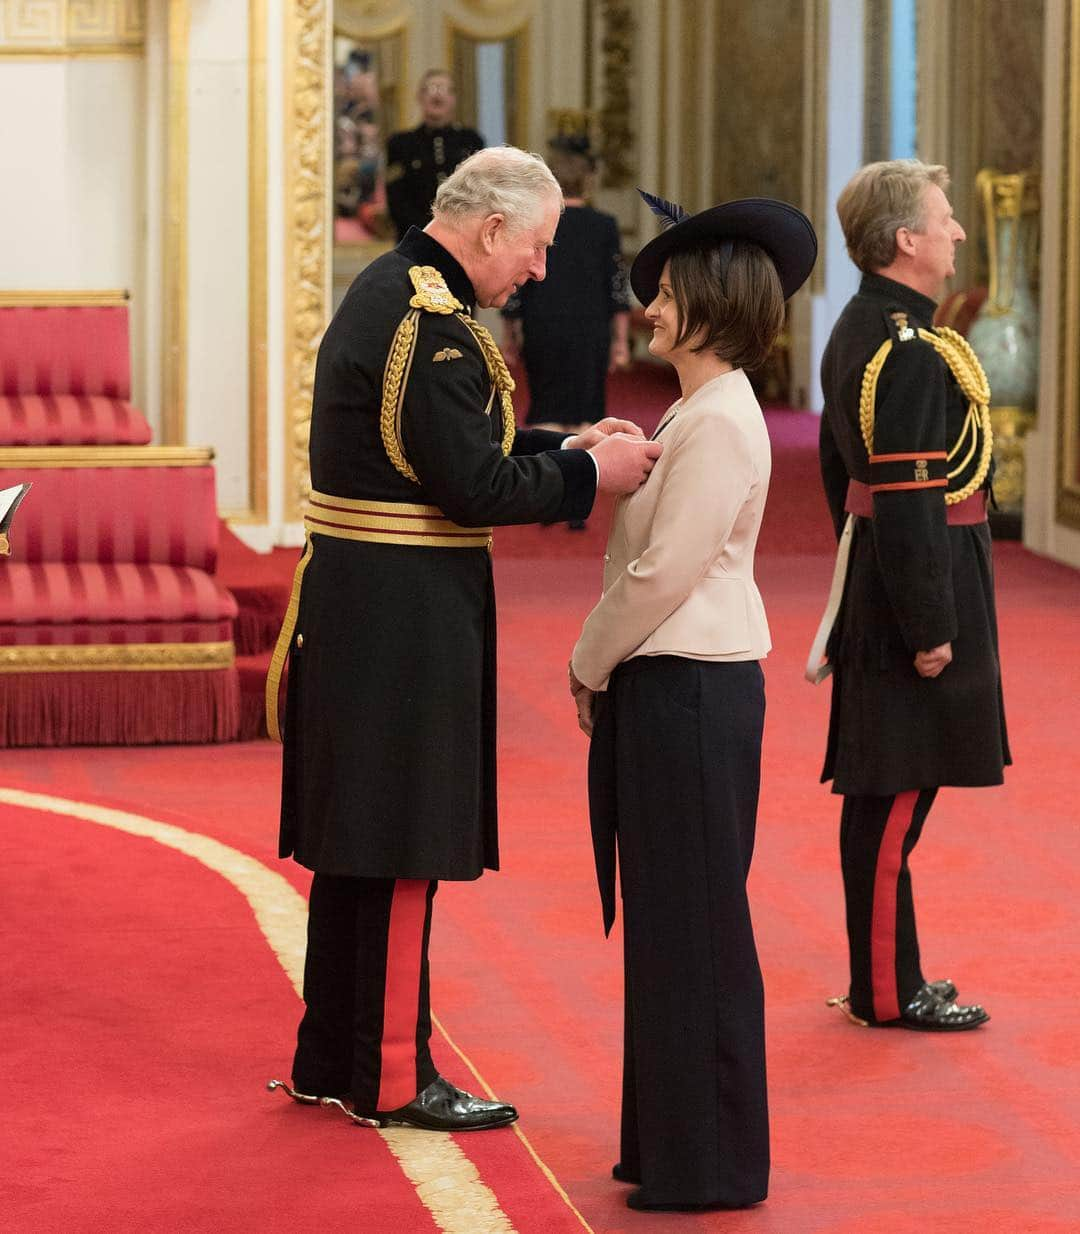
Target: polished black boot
{"x":442,"y":1107}
{"x":929,"y":1012}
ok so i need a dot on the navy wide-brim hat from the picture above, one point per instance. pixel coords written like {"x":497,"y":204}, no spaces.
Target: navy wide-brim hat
{"x":782,"y":230}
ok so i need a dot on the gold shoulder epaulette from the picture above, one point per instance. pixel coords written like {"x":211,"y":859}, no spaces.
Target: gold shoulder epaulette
{"x":432,"y":294}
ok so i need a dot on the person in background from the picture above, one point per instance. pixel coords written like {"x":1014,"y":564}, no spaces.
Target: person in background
{"x":912,"y":645}
{"x":418,"y":160}
{"x":572,"y":329}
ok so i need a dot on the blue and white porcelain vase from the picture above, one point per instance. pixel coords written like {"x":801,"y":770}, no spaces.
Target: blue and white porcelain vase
{"x":1005,"y":335}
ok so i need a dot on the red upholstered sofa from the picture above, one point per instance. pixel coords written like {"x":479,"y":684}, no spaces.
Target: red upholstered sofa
{"x":64,"y":373}
{"x":113,"y":629}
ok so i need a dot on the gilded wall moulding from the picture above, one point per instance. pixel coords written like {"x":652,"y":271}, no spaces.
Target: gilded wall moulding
{"x":617,"y":52}
{"x":307,"y":211}
{"x":72,"y":27}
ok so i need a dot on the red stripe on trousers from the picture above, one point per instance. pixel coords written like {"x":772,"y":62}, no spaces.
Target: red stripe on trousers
{"x":404,"y":947}
{"x":883,"y":918}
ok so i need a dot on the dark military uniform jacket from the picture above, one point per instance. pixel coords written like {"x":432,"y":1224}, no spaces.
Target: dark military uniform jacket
{"x":417,"y":162}
{"x":914,"y":581}
{"x":389,"y":760}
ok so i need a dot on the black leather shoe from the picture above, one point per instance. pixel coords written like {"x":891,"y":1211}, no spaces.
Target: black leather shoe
{"x":622,"y":1175}
{"x":442,"y":1107}
{"x":929,"y":1012}
{"x":945,"y":990}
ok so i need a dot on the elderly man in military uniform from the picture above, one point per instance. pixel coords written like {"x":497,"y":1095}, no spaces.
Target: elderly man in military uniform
{"x":389,"y":760}
{"x":910,"y":635}
{"x":418,"y":160}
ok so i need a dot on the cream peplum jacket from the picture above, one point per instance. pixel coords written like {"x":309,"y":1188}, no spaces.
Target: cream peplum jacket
{"x":679,"y":566}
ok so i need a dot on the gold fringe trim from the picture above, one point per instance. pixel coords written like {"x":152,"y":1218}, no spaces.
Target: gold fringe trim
{"x":116,"y":657}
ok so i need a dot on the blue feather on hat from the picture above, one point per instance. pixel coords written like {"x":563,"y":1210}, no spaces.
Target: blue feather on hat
{"x":666,"y":211}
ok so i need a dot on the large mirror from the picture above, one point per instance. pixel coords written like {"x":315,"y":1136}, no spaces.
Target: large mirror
{"x":370,"y":102}
{"x":379,"y":62}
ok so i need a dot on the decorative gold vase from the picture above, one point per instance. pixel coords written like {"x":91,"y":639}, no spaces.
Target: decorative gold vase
{"x":1005,"y":335}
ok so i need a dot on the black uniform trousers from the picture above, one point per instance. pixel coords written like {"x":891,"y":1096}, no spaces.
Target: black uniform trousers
{"x":877,"y":835}
{"x":367,"y":1026}
{"x":674,"y":766}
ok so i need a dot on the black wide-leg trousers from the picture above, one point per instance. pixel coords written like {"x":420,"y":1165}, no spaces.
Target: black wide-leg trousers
{"x":367,"y":1025}
{"x":674,"y":768}
{"x":877,"y":836}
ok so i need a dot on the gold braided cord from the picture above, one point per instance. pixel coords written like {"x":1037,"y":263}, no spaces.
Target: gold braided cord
{"x":964,"y":365}
{"x":397,"y":363}
{"x":970,"y":375}
{"x":499,"y":374}
{"x":869,"y":393}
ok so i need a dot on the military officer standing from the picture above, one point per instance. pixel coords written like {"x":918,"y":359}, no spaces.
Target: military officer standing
{"x":389,"y":760}
{"x":418,"y":160}
{"x":911,"y":634}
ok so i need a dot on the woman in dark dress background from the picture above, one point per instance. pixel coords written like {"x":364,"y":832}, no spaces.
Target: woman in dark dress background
{"x":572,"y":328}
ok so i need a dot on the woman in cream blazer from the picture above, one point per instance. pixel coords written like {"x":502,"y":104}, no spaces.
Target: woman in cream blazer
{"x":668,"y":683}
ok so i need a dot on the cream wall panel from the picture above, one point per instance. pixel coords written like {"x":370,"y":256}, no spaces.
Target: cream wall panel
{"x":217,"y":248}
{"x":72,"y":189}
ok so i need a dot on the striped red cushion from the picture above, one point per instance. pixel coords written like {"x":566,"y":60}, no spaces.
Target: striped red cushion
{"x":70,"y":420}
{"x":65,"y":350}
{"x":121,"y":514}
{"x":81,"y":592}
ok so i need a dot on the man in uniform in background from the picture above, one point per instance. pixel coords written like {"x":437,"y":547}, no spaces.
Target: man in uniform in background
{"x":905,"y":458}
{"x":419,"y":160}
{"x":389,"y":761}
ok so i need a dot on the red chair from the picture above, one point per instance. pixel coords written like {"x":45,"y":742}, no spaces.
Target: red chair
{"x":64,"y":372}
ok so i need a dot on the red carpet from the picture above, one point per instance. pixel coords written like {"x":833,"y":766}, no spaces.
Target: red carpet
{"x":144,"y":1010}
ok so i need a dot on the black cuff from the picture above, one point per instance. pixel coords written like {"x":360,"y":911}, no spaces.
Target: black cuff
{"x":537,"y":441}
{"x":579,"y":484}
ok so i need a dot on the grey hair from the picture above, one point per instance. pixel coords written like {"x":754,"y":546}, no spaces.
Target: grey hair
{"x":880,"y":199}
{"x":498,"y":180}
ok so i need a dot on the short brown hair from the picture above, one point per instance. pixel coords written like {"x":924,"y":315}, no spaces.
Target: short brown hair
{"x":572,"y":170}
{"x":730,"y":293}
{"x":878,"y":200}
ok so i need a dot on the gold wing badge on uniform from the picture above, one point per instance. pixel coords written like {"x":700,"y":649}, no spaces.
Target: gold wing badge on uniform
{"x":447,"y":353}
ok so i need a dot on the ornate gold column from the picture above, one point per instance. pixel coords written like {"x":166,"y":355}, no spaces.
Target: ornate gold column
{"x":307,"y":213}
{"x":175,"y":255}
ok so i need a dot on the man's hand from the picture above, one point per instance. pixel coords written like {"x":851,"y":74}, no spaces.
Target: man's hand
{"x":931,"y":663}
{"x":585,"y":699}
{"x":625,"y":462}
{"x":596,"y":433}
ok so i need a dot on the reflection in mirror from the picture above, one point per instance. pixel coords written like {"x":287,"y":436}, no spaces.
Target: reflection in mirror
{"x":488,"y":75}
{"x":368,"y":94}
